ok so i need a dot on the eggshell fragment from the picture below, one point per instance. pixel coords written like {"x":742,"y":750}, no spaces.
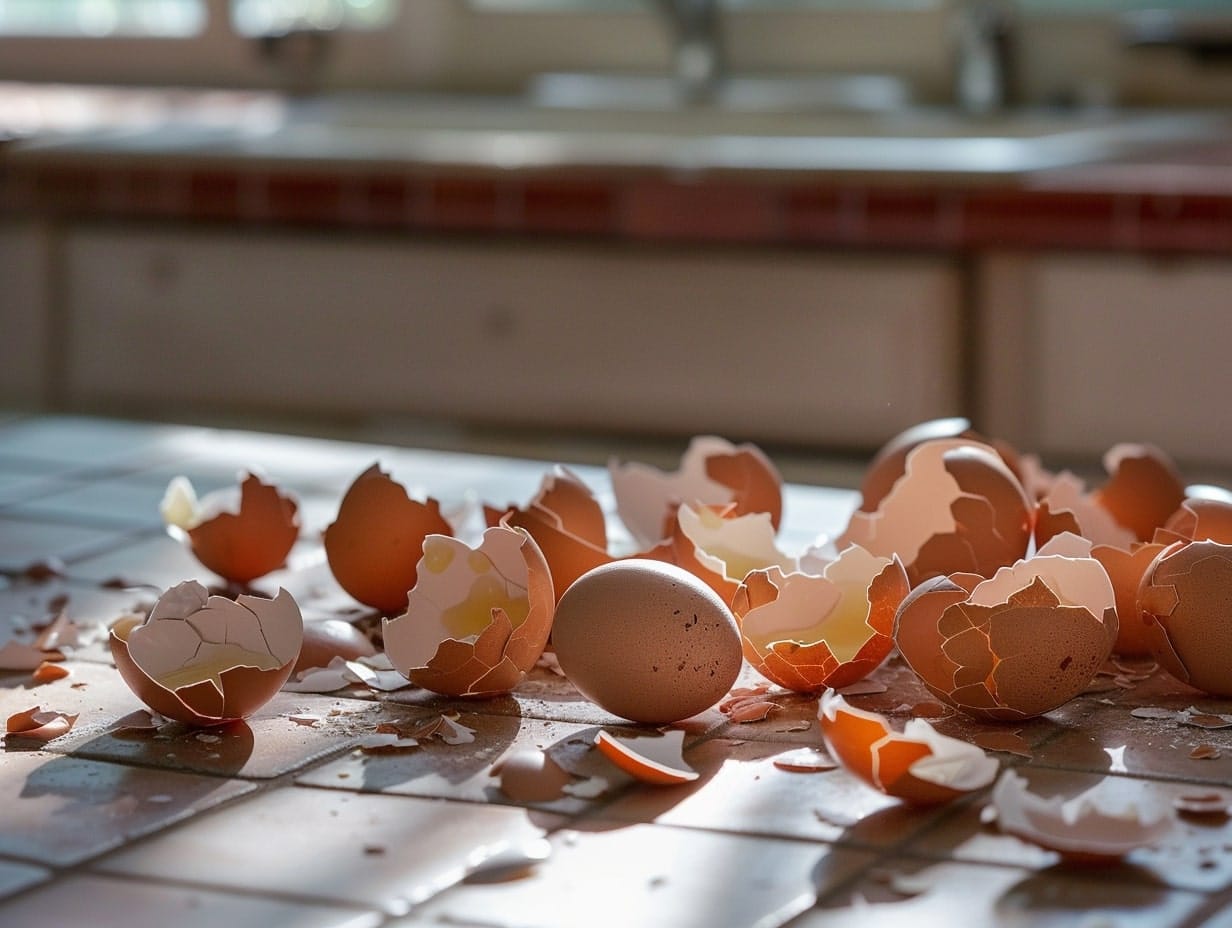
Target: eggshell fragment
{"x":239,"y":533}
{"x":374,"y":545}
{"x":890,"y":462}
{"x":1067,"y":507}
{"x":38,"y":724}
{"x":654,"y":759}
{"x":477,"y":619}
{"x":647,"y":641}
{"x":921,"y":766}
{"x":1184,"y":595}
{"x":1093,"y":827}
{"x":529,"y":775}
{"x":1198,"y":520}
{"x":204,"y":660}
{"x":956,"y":508}
{"x":326,"y":639}
{"x":808,"y":632}
{"x":1125,"y":569}
{"x":1143,"y":488}
{"x":566,"y":522}
{"x":712,"y":471}
{"x":1017,"y":645}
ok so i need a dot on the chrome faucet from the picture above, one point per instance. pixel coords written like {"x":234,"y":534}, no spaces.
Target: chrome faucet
{"x":697,"y":46}
{"x":983,"y":49}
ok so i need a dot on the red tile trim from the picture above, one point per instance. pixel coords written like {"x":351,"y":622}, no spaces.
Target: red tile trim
{"x":701,"y":212}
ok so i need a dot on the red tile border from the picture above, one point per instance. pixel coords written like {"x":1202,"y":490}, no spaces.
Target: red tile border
{"x":701,"y":212}
{"x":313,"y":198}
{"x":569,"y":206}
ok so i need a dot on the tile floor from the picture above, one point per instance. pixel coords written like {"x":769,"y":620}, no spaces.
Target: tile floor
{"x":274,"y":822}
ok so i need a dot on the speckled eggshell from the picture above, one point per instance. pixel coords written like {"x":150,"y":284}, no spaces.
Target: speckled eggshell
{"x":647,"y":641}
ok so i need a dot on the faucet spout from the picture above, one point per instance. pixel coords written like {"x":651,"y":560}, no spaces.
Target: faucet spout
{"x":983,"y":36}
{"x":697,"y":47}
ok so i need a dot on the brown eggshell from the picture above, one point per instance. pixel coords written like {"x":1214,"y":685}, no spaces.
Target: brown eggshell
{"x":376,"y":541}
{"x":1143,"y":488}
{"x":1199,"y":520}
{"x":1125,"y":570}
{"x":1017,"y":645}
{"x":204,"y":660}
{"x":326,"y":639}
{"x":647,"y":641}
{"x":754,"y":481}
{"x":808,"y":632}
{"x":958,"y":508}
{"x":566,"y":522}
{"x":890,"y":462}
{"x":477,"y":619}
{"x":1067,"y":507}
{"x":1185,"y":595}
{"x":243,"y":546}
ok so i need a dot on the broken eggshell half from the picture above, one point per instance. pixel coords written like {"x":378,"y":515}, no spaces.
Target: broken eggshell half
{"x":1017,"y":645}
{"x":1096,"y":826}
{"x":809,"y":631}
{"x":240,"y":533}
{"x":957,"y":508}
{"x":655,"y":759}
{"x":921,"y":766}
{"x":712,"y":471}
{"x":1143,"y":488}
{"x":204,"y":660}
{"x":477,"y":619}
{"x":1184,"y":596}
{"x":374,"y":545}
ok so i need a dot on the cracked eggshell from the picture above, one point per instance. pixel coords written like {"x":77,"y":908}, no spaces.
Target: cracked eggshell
{"x":1143,"y":488}
{"x":240,"y":533}
{"x":921,"y":766}
{"x":647,"y":641}
{"x":204,"y":660}
{"x":1017,"y":645}
{"x":1198,"y":520}
{"x":477,"y":619}
{"x":1094,"y":827}
{"x":1126,"y":569}
{"x":374,"y":545}
{"x":712,"y":471}
{"x":1185,"y":594}
{"x":566,"y":522}
{"x":1067,"y":507}
{"x":957,"y":508}
{"x":807,"y":632}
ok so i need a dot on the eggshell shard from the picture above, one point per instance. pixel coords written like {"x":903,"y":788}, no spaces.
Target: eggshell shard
{"x":712,"y":471}
{"x":239,"y":533}
{"x":890,"y":462}
{"x":808,"y":632}
{"x":1198,"y":520}
{"x":329,"y":638}
{"x":1143,"y":488}
{"x":1093,"y":827}
{"x":477,"y":619}
{"x":1184,"y":595}
{"x":920,"y":766}
{"x":1126,"y":569}
{"x":1017,"y":645}
{"x":204,"y":660}
{"x":39,"y":724}
{"x":1067,"y":507}
{"x":566,"y":522}
{"x":654,"y":759}
{"x":374,"y":545}
{"x":529,"y":775}
{"x":956,"y":508}
{"x":647,"y":641}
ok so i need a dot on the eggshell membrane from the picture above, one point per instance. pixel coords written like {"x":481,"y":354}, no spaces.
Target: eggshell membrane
{"x":1085,"y":829}
{"x":566,"y":522}
{"x":654,"y":759}
{"x":647,"y":641}
{"x":920,"y":766}
{"x":1143,"y":488}
{"x":809,"y":632}
{"x":1015,"y":646}
{"x":1198,"y":520}
{"x":1186,"y":595}
{"x":326,"y":639}
{"x":478,"y":618}
{"x":250,"y":543}
{"x":1126,"y":570}
{"x":374,"y":545}
{"x":957,"y":508}
{"x":712,"y":471}
{"x":204,"y":660}
{"x":1069,"y":508}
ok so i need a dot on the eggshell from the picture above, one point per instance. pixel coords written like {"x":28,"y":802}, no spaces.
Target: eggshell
{"x":920,"y":766}
{"x":654,"y":759}
{"x":647,"y":641}
{"x":1198,"y":520}
{"x":712,"y":471}
{"x":1143,"y":488}
{"x":204,"y":660}
{"x":1067,"y":507}
{"x":1185,"y":595}
{"x":566,"y":522}
{"x":1094,"y":827}
{"x":529,"y":775}
{"x":808,"y":632}
{"x":957,"y":508}
{"x":376,"y":541}
{"x":890,"y":463}
{"x":239,"y":533}
{"x":326,"y":639}
{"x":1017,"y":645}
{"x":477,"y":619}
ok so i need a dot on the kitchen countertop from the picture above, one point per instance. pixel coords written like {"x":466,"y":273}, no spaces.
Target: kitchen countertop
{"x":922,"y":180}
{"x":275,"y":821}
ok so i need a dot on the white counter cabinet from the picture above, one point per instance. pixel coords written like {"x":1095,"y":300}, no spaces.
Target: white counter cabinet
{"x":824,"y":349}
